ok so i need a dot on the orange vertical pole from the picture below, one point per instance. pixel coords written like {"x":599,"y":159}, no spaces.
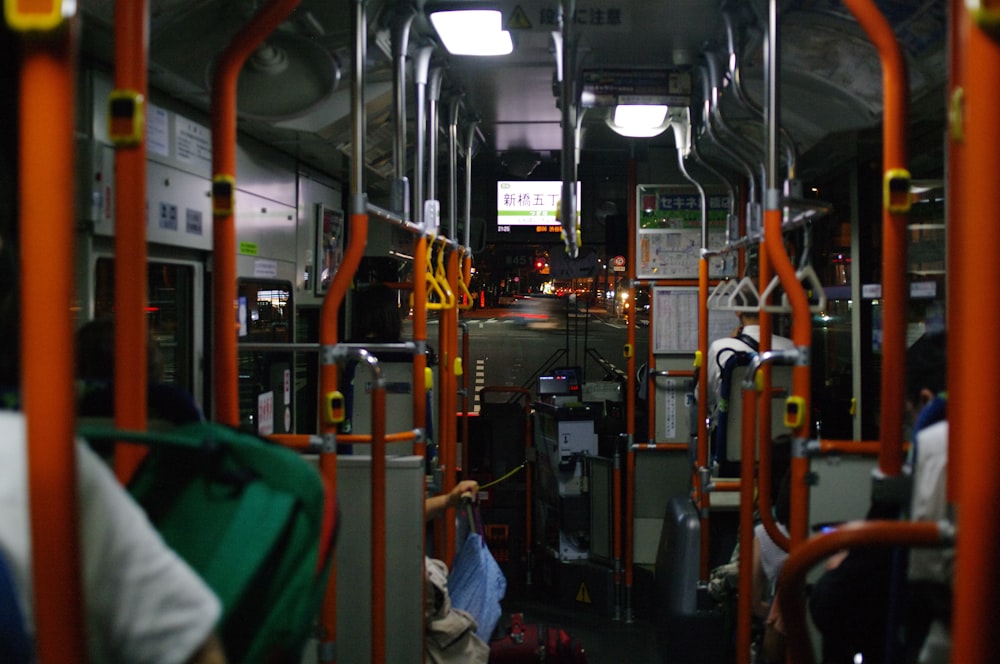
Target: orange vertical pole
{"x":651,"y":363}
{"x":329,"y":324}
{"x":466,"y":276}
{"x":449,"y":386}
{"x":894,"y":208}
{"x":328,"y":338}
{"x":378,"y":521}
{"x":960,"y":306}
{"x":858,"y":534}
{"x":802,"y":337}
{"x":224,"y":326}
{"x":630,"y":385}
{"x":131,"y":49}
{"x":764,"y":424}
{"x":971,"y":238}
{"x":420,"y":340}
{"x":47,"y":101}
{"x":702,"y":497}
{"x":744,"y":598}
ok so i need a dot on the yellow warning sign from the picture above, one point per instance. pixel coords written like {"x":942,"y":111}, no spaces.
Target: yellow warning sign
{"x":582,"y":595}
{"x":518,"y":20}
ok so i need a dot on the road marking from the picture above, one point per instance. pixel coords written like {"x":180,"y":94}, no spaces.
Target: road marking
{"x":480,"y":382}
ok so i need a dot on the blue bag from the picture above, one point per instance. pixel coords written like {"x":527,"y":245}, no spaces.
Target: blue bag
{"x":476,"y":583}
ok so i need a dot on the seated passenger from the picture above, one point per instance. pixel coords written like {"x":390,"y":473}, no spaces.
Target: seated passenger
{"x":141,"y":602}
{"x":95,"y":372}
{"x":768,"y":559}
{"x":451,"y":633}
{"x":850,"y":603}
{"x":928,"y":614}
{"x":744,"y":339}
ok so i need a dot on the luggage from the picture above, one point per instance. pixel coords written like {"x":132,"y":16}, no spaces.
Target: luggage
{"x":254,"y":519}
{"x":535,"y":643}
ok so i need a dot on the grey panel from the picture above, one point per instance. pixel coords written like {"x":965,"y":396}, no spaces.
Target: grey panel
{"x":404,"y":559}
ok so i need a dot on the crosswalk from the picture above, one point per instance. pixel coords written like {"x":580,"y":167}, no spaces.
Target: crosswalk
{"x":480,"y":383}
{"x":483,"y":322}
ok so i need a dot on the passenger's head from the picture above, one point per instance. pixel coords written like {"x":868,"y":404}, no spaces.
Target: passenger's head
{"x":926,"y":375}
{"x":377,"y":315}
{"x":95,"y":353}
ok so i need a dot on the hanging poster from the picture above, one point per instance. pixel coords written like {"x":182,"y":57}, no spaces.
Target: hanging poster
{"x":329,"y":245}
{"x":668,"y":231}
{"x":675,"y":328}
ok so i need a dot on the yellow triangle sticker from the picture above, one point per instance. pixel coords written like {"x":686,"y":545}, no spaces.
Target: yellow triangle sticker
{"x":582,"y":595}
{"x":518,"y":20}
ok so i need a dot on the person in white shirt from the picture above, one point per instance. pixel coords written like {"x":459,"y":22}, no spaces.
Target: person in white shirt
{"x":720,"y":350}
{"x":141,"y":602}
{"x":930,"y":569}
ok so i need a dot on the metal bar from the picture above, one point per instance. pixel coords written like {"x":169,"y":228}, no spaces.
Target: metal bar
{"x":226,"y":403}
{"x":46,"y":106}
{"x":894,"y":292}
{"x":801,"y":318}
{"x":420,"y":340}
{"x":744,"y":594}
{"x":568,"y":111}
{"x":971,"y":237}
{"x":421,"y":65}
{"x":854,"y":535}
{"x":393,"y":218}
{"x":130,"y":326}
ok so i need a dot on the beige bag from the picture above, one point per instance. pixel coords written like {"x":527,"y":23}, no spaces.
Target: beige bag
{"x":451,"y":633}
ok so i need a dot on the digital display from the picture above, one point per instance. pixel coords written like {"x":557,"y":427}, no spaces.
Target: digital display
{"x":530,"y":205}
{"x":560,"y":382}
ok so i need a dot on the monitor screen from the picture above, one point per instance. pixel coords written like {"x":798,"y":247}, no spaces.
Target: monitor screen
{"x":530,"y":205}
{"x":559,"y":382}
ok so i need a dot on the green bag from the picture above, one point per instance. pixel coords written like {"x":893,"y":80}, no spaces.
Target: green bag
{"x":254,"y":519}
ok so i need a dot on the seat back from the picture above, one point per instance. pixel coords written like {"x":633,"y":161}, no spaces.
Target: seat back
{"x":730,"y":449}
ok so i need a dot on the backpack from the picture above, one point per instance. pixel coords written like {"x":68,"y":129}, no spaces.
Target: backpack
{"x":252,"y":518}
{"x":736,"y":358}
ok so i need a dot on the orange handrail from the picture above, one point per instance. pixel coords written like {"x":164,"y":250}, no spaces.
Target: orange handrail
{"x":464,"y":405}
{"x":661,"y":447}
{"x":802,"y":338}
{"x":860,"y":447}
{"x":744,"y":595}
{"x":47,"y":221}
{"x":449,"y":383}
{"x":131,"y":335}
{"x":894,"y":292}
{"x":378,"y":514}
{"x":304,"y":442}
{"x":632,"y":181}
{"x":851,"y":535}
{"x":701,"y":435}
{"x":227,"y":70}
{"x":420,"y":339}
{"x":764,"y":424}
{"x":971,"y":408}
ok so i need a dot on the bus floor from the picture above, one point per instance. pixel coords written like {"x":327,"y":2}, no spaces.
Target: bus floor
{"x":604,"y":632}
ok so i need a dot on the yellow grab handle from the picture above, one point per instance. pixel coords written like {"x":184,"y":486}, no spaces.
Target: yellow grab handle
{"x":441,"y":276}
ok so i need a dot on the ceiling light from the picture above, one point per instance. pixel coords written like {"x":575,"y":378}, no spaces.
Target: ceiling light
{"x":472,"y":32}
{"x":639,"y":120}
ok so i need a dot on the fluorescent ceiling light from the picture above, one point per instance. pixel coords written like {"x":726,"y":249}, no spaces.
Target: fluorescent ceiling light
{"x":472,"y":32}
{"x":639,"y":120}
